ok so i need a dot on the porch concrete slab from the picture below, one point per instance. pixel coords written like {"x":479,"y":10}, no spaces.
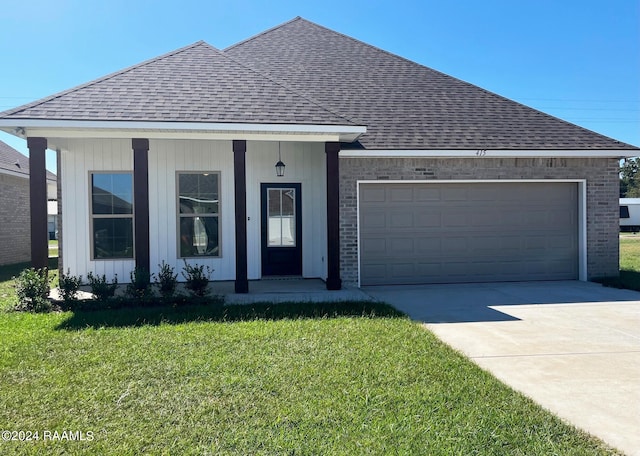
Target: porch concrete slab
{"x":573,"y":347}
{"x":287,"y":290}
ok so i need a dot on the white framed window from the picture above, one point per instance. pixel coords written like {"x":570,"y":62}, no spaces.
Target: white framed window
{"x":198,"y":214}
{"x":111,"y":211}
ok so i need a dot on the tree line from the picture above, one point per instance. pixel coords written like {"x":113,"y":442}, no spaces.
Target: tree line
{"x":629,"y":178}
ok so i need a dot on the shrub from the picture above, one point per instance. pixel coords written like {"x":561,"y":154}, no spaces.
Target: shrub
{"x":32,"y":288}
{"x":197,"y":279}
{"x":101,"y":289}
{"x":140,"y":287}
{"x":166,"y":280}
{"x":69,"y":286}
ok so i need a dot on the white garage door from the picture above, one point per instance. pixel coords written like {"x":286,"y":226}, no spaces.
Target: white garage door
{"x":468,"y":232}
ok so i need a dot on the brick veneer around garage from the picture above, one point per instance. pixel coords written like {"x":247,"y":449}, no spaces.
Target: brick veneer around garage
{"x":601,"y":175}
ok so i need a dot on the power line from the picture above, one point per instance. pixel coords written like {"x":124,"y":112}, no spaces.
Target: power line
{"x":564,"y":108}
{"x":579,"y":100}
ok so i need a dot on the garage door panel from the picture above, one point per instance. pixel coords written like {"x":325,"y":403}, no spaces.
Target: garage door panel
{"x":454,"y":219}
{"x":454,"y":193}
{"x":427,"y":219}
{"x":402,"y":246}
{"x":374,"y":220}
{"x":375,"y":247}
{"x":401,"y":194}
{"x":443,"y":233}
{"x":560,"y":217}
{"x":375,"y":194}
{"x":429,"y":247}
{"x":399,"y":219}
{"x":375,"y":272}
{"x":427,"y":194}
{"x":401,"y":270}
{"x":488,"y":218}
{"x":510,"y":244}
{"x":455,"y":244}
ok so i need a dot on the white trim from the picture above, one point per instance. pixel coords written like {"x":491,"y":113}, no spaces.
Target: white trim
{"x":582,"y":209}
{"x":181,"y":130}
{"x":480,"y":154}
{"x":14,"y":173}
{"x":582,"y":230}
{"x":25,"y":175}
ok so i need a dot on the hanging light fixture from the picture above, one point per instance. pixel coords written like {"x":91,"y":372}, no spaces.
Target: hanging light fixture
{"x":279,"y":166}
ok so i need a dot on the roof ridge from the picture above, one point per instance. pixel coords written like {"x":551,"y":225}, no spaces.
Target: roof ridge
{"x":101,"y":79}
{"x":290,"y":21}
{"x":281,"y":83}
{"x":286,"y":87}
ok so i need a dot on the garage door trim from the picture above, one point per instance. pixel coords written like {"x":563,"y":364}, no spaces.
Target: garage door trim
{"x":582,"y":212}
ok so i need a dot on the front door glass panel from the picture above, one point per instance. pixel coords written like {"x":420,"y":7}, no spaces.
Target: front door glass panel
{"x":281,"y":228}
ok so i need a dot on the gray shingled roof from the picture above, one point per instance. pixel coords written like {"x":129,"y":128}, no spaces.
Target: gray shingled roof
{"x":302,"y":73}
{"x":197,"y":83}
{"x":14,"y":161}
{"x":403,"y":104}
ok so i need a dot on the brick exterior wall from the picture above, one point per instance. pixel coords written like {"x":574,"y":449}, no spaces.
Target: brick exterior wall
{"x":15,"y":232}
{"x":601,"y":175}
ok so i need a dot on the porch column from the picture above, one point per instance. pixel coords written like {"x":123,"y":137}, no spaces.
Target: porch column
{"x":141,"y":202}
{"x":38,"y":202}
{"x":333,"y":216}
{"x":59,"y":199}
{"x":240,"y":191}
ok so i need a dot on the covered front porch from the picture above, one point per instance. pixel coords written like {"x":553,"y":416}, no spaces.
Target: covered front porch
{"x":245,"y":167}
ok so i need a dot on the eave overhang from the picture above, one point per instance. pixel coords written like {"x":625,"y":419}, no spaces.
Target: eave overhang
{"x":52,"y":129}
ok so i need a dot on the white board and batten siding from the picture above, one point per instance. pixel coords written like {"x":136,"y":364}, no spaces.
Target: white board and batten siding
{"x":166,"y":159}
{"x":79,"y":157}
{"x":305,"y":164}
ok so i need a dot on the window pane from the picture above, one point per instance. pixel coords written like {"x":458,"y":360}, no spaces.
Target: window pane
{"x":274,"y":202}
{"x":275,"y":231}
{"x":113,"y":238}
{"x":624,"y":211}
{"x":288,"y":231}
{"x":112,"y":193}
{"x":288,"y":202}
{"x":281,"y":229}
{"x":198,"y":193}
{"x":199,"y":236}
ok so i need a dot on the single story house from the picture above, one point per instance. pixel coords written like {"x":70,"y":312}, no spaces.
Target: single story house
{"x":393,"y":173}
{"x":15,"y":234}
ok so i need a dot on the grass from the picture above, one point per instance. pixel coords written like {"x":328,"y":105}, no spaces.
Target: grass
{"x":7,"y":292}
{"x":630,"y":253}
{"x":293,"y":378}
{"x":53,"y":248}
{"x":629,"y":264}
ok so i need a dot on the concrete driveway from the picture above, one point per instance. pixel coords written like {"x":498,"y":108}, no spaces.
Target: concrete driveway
{"x":573,"y":347}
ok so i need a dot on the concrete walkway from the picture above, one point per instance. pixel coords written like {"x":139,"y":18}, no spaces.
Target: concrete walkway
{"x":284,"y":290}
{"x":573,"y":347}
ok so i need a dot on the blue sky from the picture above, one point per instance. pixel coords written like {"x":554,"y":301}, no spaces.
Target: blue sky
{"x":575,"y":59}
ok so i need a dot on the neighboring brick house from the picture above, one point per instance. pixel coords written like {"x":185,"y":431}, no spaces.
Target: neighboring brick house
{"x":15,"y":240}
{"x":395,"y":173}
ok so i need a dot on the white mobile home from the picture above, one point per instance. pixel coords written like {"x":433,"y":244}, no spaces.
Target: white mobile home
{"x":629,"y":214}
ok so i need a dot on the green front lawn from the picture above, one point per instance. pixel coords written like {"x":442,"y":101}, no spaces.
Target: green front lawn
{"x":7,"y":292}
{"x":353,"y":378}
{"x":629,"y":264}
{"x":53,"y":248}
